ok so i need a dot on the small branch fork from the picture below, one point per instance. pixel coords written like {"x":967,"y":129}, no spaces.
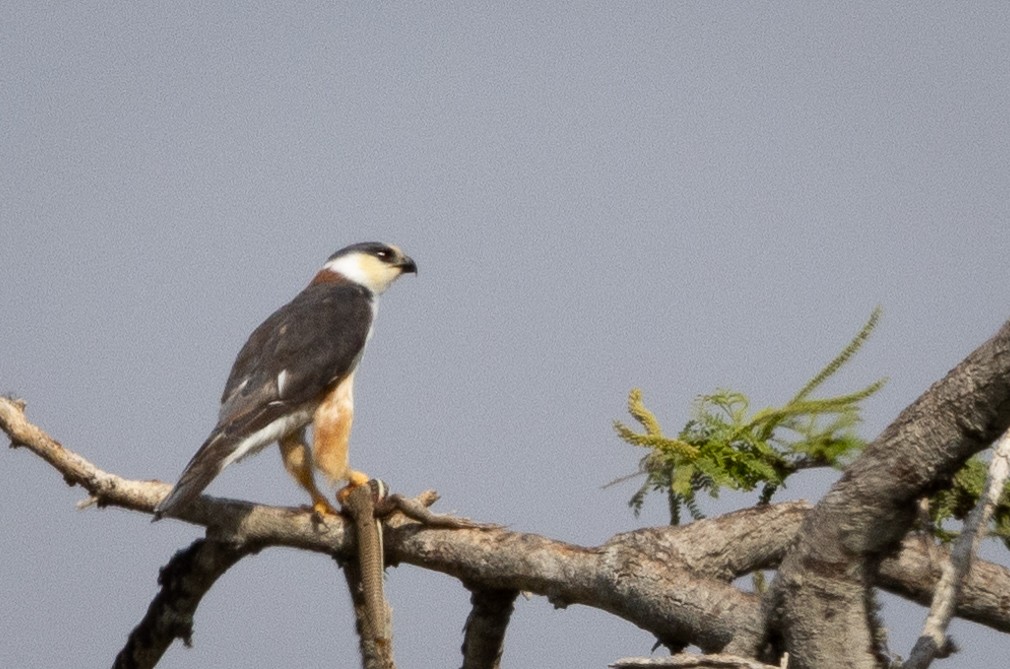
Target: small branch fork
{"x":674,"y":582}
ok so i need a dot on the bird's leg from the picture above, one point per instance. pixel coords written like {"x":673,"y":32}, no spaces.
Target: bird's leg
{"x":297,"y":461}
{"x":331,"y":432}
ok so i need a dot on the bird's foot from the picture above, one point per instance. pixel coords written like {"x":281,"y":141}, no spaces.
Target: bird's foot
{"x":417,"y":509}
{"x":354,"y":480}
{"x":322,"y":507}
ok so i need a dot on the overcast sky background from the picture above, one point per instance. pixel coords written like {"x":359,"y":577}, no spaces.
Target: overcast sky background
{"x":677,"y":197}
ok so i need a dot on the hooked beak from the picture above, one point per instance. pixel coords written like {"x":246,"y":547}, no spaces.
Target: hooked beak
{"x":407,"y":265}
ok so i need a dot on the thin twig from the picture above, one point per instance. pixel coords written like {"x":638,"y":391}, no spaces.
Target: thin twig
{"x":933,"y":641}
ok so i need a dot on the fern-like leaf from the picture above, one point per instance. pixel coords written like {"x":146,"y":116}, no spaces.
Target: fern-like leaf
{"x":724,"y":445}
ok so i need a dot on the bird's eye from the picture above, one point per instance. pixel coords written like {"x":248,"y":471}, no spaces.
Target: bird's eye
{"x":385,"y":254}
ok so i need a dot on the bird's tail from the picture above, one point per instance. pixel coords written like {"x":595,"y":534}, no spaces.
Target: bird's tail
{"x":201,"y":470}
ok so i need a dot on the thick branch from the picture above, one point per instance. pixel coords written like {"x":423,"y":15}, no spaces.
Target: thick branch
{"x":914,"y":572}
{"x":686,"y":661}
{"x":676,"y":604}
{"x":184,"y":581}
{"x":829,"y":575}
{"x":484,"y":632}
{"x":672,"y":581}
{"x":933,"y":640}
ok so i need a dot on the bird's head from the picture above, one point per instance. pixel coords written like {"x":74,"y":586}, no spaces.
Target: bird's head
{"x":373,"y":265}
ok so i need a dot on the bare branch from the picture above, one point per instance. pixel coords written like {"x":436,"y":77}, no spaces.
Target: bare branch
{"x":676,"y":604}
{"x":671,"y":581}
{"x":104,"y":487}
{"x":484,"y":632}
{"x":914,"y":572}
{"x":686,"y":661}
{"x":828,"y":576}
{"x":934,"y":635}
{"x":184,"y":581}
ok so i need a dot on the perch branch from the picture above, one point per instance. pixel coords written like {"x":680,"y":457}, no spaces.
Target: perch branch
{"x":672,"y":581}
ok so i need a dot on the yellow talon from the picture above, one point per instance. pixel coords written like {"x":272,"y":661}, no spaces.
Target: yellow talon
{"x":355,"y":479}
{"x":323,"y":507}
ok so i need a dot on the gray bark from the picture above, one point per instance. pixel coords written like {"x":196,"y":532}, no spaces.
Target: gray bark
{"x":821,"y":603}
{"x":676,"y":582}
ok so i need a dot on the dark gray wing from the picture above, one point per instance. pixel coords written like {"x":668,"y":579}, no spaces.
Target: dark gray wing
{"x":314,"y":340}
{"x":287,"y":363}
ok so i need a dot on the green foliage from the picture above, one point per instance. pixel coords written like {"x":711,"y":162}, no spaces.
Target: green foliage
{"x":957,"y":502}
{"x":725,"y":445}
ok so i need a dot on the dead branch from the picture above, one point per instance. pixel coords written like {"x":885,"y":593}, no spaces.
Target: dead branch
{"x":933,"y":641}
{"x":828,"y":575}
{"x":484,"y":631}
{"x":672,"y":581}
{"x":686,"y":661}
{"x":184,"y":581}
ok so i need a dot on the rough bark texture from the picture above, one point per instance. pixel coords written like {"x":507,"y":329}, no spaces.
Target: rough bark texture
{"x":685,"y":661}
{"x":184,"y":581}
{"x":675,"y":582}
{"x":822,"y":595}
{"x":933,"y":641}
{"x":484,"y":632}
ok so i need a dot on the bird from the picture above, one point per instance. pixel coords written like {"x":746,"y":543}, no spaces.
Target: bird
{"x":295,"y":370}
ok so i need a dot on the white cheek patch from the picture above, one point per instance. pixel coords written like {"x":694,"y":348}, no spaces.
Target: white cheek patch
{"x":364,"y":270}
{"x":351,"y":267}
{"x":282,"y":381}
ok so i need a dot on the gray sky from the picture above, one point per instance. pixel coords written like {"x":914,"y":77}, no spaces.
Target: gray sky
{"x":673,"y":196}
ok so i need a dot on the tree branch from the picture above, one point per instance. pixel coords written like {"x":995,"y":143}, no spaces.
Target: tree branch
{"x":484,"y":631}
{"x":686,"y":661}
{"x":830,"y":573}
{"x":677,"y":605}
{"x":184,"y":581}
{"x":671,"y":581}
{"x":934,"y":635}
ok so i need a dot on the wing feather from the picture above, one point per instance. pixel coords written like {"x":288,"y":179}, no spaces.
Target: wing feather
{"x":315,"y":341}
